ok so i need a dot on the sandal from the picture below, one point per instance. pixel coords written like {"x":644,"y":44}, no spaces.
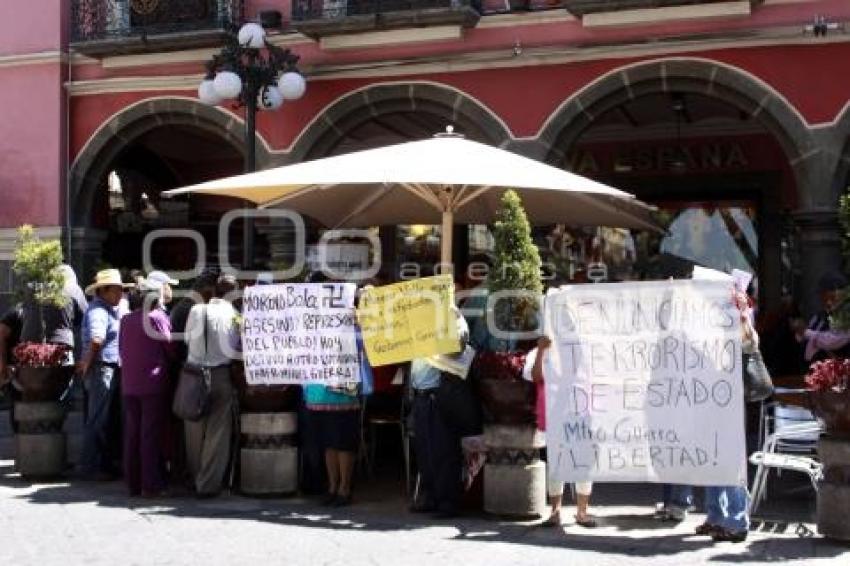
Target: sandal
{"x":588,"y":522}
{"x":554,"y":520}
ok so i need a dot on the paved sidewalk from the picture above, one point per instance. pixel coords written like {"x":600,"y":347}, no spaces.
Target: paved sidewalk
{"x":94,"y":524}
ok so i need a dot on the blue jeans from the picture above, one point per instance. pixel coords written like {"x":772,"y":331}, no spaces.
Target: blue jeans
{"x":101,"y":383}
{"x":726,"y":506}
{"x":678,"y":496}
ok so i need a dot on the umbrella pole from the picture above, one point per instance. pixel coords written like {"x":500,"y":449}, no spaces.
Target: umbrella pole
{"x":446,"y":238}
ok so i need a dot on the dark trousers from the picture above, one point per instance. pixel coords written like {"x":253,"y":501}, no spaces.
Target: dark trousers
{"x":438,"y":454}
{"x":101,"y":383}
{"x":145,"y":419}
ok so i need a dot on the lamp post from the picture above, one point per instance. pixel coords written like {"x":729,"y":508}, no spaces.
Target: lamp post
{"x":253,"y":79}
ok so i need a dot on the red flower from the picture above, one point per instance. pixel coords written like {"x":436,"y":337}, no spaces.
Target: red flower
{"x":38,"y":354}
{"x":829,"y":374}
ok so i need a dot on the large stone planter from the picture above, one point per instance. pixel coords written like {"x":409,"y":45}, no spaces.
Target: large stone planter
{"x":40,"y":441}
{"x":42,"y":383}
{"x":264,"y":398}
{"x":268,"y":453}
{"x":514,"y":475}
{"x":834,"y":490}
{"x":833,"y":407}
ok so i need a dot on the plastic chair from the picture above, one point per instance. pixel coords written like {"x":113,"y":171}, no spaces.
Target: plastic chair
{"x":789,"y":443}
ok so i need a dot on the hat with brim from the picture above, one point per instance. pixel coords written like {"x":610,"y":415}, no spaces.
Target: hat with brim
{"x":162,"y":277}
{"x":105,"y":278}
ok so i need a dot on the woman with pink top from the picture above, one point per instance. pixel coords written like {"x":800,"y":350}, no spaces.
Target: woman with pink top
{"x":533,"y":371}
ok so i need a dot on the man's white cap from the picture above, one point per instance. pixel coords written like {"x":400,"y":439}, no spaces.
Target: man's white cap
{"x":162,"y":277}
{"x":151,"y":284}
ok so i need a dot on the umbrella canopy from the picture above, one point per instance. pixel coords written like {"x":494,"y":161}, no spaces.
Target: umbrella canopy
{"x":442,"y":180}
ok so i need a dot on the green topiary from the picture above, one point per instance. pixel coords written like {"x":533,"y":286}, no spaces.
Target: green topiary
{"x":516,"y":266}
{"x":37,"y":268}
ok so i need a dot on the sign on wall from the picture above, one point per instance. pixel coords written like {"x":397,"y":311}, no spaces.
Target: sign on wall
{"x":644,"y":383}
{"x":409,"y":320}
{"x":299,"y":333}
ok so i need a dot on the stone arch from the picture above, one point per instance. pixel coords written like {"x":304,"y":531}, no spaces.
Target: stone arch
{"x":839,"y":143}
{"x":122,"y":129}
{"x":689,"y":75}
{"x":353,"y":109}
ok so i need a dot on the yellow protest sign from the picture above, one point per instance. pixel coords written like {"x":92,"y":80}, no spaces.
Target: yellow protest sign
{"x":408,"y":320}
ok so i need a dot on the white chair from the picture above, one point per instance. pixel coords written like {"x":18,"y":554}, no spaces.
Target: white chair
{"x":790,"y":443}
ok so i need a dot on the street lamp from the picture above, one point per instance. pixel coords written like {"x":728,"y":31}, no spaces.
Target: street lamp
{"x":241,"y":72}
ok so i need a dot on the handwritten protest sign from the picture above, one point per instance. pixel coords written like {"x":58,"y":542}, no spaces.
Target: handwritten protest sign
{"x":299,"y":333}
{"x":643,"y":383}
{"x":408,"y":320}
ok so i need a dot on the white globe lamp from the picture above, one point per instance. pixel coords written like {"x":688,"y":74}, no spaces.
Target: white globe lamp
{"x":269,"y":98}
{"x":292,"y":85}
{"x":207,"y":93}
{"x":252,"y":36}
{"x":227,"y":84}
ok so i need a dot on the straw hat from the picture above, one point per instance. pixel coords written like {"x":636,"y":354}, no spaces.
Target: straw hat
{"x":107,"y":277}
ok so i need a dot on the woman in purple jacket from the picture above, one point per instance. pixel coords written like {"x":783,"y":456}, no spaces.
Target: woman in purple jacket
{"x":145,"y":347}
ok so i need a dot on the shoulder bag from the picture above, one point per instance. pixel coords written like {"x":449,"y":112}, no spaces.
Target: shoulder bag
{"x":758,"y":384}
{"x":192,"y":397}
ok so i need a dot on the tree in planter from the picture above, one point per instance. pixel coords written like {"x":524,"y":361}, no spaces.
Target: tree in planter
{"x":516,"y":271}
{"x":516,"y":267}
{"x":40,"y":287}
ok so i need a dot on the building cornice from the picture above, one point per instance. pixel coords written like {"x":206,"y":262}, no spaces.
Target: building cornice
{"x":40,"y":58}
{"x":482,"y":60}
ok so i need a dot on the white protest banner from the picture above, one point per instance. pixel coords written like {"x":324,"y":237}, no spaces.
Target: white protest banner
{"x":643,"y":383}
{"x":300,"y":333}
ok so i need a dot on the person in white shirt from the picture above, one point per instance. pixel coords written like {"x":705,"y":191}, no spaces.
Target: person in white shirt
{"x":209,"y":333}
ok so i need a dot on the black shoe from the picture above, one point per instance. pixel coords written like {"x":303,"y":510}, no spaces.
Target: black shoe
{"x":342,"y":501}
{"x":423,"y":507}
{"x":329,"y":500}
{"x":725,"y":535}
{"x":445,"y":513}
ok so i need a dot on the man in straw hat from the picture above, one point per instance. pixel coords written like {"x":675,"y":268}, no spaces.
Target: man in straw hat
{"x":100,"y":368}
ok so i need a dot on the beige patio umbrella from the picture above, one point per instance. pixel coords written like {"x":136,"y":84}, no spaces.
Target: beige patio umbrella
{"x":443,"y":180}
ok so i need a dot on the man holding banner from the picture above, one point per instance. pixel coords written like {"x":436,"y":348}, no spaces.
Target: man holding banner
{"x":644,"y":383}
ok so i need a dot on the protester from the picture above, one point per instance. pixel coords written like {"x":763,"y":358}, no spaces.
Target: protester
{"x":534,"y":371}
{"x":333,"y":413}
{"x":145,"y":349}
{"x":100,"y":368}
{"x":676,"y":501}
{"x":10,"y":336}
{"x":179,"y":315}
{"x":209,"y":335}
{"x":167,"y":287}
{"x":439,"y":456}
{"x":821,"y":341}
{"x":727,"y":507}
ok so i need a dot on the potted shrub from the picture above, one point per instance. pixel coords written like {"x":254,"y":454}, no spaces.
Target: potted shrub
{"x":828,"y":382}
{"x":507,"y":398}
{"x":40,"y":373}
{"x":514,"y":476}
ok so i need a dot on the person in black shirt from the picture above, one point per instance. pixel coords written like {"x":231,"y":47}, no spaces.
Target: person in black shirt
{"x":10,"y":336}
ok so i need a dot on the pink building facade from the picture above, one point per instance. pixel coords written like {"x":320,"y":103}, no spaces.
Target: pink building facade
{"x":730,"y":115}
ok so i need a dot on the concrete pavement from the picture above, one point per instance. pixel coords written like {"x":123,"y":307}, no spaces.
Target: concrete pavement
{"x":93,"y":524}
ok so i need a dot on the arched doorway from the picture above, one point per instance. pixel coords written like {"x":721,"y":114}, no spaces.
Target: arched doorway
{"x":117,"y":179}
{"x":721,"y":154}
